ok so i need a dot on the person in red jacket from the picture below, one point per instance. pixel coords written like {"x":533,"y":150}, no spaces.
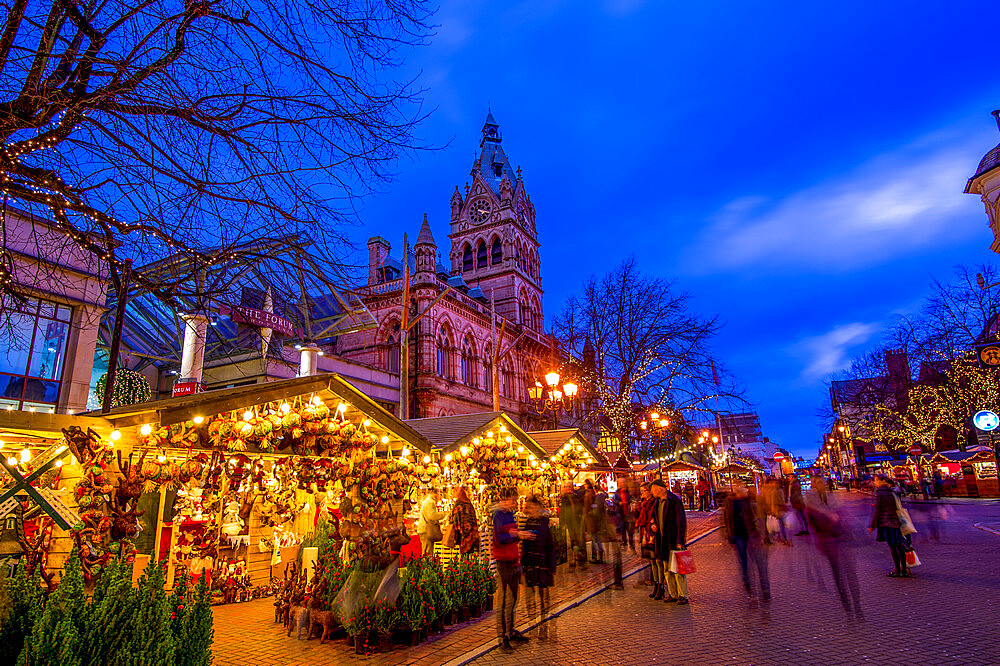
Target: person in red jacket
{"x":507,"y":554}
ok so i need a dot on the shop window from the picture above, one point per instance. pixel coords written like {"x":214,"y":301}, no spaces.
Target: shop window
{"x":34,"y":339}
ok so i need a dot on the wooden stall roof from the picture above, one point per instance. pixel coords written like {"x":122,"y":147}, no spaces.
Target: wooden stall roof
{"x":959,"y":456}
{"x":448,"y":433}
{"x":683,"y":464}
{"x":553,"y":440}
{"x":15,"y":424}
{"x":328,"y":386}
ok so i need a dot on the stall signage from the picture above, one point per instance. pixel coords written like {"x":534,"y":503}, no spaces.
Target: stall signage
{"x":261,"y":319}
{"x":185,"y":387}
{"x":986,"y":420}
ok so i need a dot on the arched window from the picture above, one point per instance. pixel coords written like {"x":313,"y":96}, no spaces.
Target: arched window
{"x":481,"y":255}
{"x":392,"y":354}
{"x":488,"y":369}
{"x":468,"y":362}
{"x":506,"y":380}
{"x":444,"y":353}
{"x":467,"y":259}
{"x":496,"y":253}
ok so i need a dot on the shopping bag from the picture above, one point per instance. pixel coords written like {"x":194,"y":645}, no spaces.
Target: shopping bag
{"x":905,"y":522}
{"x":681,"y":562}
{"x":773,"y":526}
{"x":911,"y":559}
{"x":449,"y":540}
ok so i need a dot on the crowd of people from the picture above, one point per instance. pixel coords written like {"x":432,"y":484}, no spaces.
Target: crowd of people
{"x":650,"y":519}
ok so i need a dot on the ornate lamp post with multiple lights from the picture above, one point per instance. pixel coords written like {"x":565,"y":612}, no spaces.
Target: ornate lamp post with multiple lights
{"x":558,"y":394}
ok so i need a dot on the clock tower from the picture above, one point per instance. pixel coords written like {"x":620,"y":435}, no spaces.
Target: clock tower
{"x":494,"y":244}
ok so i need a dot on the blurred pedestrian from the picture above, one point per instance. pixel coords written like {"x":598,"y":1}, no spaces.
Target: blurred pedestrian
{"x":626,"y":502}
{"x":773,"y":508}
{"x":818,"y":485}
{"x":507,"y":556}
{"x":643,"y":520}
{"x":798,"y":503}
{"x":669,"y":528}
{"x":596,"y":518}
{"x":938,"y":484}
{"x":429,"y":523}
{"x":571,"y":521}
{"x":539,"y":561}
{"x":835,"y":542}
{"x":689,"y":494}
{"x":885,"y":519}
{"x":463,"y":518}
{"x":704,"y":488}
{"x":740,"y":521}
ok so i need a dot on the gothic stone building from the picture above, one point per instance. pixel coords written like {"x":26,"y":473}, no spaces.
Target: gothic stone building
{"x":492,"y":262}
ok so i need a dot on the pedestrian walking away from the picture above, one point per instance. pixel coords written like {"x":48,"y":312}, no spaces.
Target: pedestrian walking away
{"x":885,"y":523}
{"x":742,"y":525}
{"x":835,"y":542}
{"x":539,"y":561}
{"x":507,"y":555}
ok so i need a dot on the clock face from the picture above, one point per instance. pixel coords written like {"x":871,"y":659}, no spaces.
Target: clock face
{"x":480,"y":210}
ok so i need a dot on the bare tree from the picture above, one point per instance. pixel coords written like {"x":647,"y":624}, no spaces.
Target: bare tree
{"x":650,"y":350}
{"x":952,"y":319}
{"x":153,"y":129}
{"x":948,"y":385}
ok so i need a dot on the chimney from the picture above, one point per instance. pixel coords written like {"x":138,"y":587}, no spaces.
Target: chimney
{"x":378,"y":252}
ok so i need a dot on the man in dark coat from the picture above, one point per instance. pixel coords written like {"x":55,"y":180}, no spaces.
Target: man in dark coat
{"x":669,"y":529}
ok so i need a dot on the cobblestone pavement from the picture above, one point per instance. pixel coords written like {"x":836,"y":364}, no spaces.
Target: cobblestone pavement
{"x":945,"y":614}
{"x":246,"y":634}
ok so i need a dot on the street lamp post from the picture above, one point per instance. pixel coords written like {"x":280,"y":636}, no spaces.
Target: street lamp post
{"x":654,"y":424}
{"x":559,"y":395}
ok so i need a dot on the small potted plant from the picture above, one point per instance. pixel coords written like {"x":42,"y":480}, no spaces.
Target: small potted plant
{"x":385,"y":619}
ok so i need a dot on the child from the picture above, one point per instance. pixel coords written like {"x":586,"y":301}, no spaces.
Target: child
{"x":539,"y":561}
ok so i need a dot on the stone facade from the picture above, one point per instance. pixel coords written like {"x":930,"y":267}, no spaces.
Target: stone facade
{"x":493,"y":262}
{"x":49,"y":334}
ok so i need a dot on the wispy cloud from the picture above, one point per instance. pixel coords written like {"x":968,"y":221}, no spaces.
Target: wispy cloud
{"x":901,"y":201}
{"x":830,"y":352}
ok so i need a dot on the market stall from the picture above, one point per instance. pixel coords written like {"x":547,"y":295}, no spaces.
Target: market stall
{"x":746,"y":473}
{"x":681,"y":472}
{"x":966,"y":473}
{"x":225,"y":481}
{"x":484,"y":452}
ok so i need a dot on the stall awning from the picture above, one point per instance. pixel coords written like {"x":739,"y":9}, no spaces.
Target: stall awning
{"x":330,"y":387}
{"x":448,"y":433}
{"x":15,"y":424}
{"x":686,"y":466}
{"x":553,"y":440}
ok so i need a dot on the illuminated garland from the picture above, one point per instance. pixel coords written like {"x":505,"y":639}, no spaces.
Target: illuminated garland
{"x":130,"y":388}
{"x":964,"y":389}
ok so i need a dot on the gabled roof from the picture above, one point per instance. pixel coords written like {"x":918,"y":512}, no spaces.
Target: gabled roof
{"x":328,"y":386}
{"x":448,"y":433}
{"x":553,"y":440}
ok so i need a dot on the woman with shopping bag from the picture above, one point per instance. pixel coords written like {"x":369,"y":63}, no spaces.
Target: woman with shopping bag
{"x":887,"y":519}
{"x":669,"y":530}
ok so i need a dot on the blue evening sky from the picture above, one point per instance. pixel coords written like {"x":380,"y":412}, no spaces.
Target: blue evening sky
{"x":798,"y":167}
